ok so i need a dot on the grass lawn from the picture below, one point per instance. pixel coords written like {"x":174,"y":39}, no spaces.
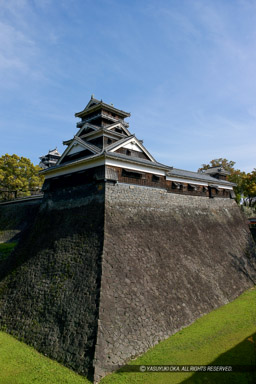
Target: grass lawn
{"x":21,"y":364}
{"x":5,"y":249}
{"x":226,"y":336}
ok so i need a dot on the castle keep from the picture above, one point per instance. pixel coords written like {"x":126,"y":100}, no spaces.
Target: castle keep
{"x":121,"y":252}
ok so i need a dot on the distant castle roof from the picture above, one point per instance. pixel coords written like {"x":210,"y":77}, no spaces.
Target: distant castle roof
{"x":50,"y":159}
{"x":54,"y":152}
{"x":218,"y":169}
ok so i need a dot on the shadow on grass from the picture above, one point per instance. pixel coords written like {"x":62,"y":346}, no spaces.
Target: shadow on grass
{"x":243,"y":354}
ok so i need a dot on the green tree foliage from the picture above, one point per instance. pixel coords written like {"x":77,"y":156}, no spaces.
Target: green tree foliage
{"x":245,"y":182}
{"x":226,"y":164}
{"x":249,"y":186}
{"x":18,"y":177}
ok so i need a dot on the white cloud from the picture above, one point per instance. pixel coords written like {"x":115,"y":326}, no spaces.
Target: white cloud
{"x":16,"y":49}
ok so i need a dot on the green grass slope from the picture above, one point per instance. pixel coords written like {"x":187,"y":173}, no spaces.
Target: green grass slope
{"x":226,"y":336}
{"x":21,"y":364}
{"x":6,"y":248}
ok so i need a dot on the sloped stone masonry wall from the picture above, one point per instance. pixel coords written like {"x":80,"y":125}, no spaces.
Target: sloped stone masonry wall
{"x":49,"y":287}
{"x":15,"y":218}
{"x":168,"y":259}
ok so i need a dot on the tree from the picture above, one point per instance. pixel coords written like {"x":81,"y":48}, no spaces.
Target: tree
{"x":236,"y":176}
{"x":249,"y":187}
{"x":226,"y":164}
{"x":18,"y":176}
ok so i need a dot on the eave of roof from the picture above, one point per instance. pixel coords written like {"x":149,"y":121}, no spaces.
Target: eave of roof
{"x":136,"y":160}
{"x":101,"y":105}
{"x":67,"y":142}
{"x":103,"y":131}
{"x":87,"y":144}
{"x":198,"y":176}
{"x":71,"y":163}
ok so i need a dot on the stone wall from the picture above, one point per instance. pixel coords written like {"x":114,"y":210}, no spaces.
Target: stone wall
{"x":16,"y":217}
{"x":105,"y":271}
{"x":168,"y":259}
{"x":49,"y":287}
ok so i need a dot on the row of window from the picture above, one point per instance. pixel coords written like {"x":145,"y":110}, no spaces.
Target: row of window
{"x":175,"y":185}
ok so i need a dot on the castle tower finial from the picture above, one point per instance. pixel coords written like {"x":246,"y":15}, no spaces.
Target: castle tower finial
{"x":92,"y":96}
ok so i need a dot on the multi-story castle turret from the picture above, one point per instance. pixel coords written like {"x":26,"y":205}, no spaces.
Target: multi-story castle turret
{"x":104,"y":149}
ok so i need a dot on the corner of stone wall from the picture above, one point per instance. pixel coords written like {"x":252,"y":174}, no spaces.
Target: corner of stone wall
{"x":100,"y":372}
{"x":51,"y":302}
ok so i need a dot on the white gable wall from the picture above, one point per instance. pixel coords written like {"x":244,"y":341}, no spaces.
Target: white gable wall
{"x":76,"y":148}
{"x":132,"y":146}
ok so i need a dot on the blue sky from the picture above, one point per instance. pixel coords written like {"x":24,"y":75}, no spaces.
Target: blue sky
{"x":185,"y":69}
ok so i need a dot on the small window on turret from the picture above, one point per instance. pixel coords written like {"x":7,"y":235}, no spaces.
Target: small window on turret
{"x":128,"y":152}
{"x":192,"y":187}
{"x":176,"y":185}
{"x":155,"y":178}
{"x":132,"y":174}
